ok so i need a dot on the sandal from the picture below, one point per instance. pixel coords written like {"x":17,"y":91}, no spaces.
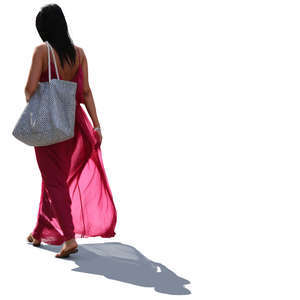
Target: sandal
{"x":66,"y":253}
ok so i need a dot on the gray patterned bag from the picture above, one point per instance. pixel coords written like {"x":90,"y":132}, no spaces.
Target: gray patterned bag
{"x":49,"y":116}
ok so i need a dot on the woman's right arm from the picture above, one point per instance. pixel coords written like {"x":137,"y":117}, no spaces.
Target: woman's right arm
{"x":87,"y":93}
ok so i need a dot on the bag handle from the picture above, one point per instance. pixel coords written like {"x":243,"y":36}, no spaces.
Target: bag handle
{"x":49,"y":47}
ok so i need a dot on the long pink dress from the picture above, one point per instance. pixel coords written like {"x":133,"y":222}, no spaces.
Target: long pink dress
{"x":76,"y":200}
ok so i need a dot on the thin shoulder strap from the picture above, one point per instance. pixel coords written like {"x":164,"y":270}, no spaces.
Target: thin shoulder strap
{"x":79,"y":58}
{"x":49,"y":47}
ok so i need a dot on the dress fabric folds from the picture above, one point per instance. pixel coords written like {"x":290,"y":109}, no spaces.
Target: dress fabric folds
{"x":76,"y":200}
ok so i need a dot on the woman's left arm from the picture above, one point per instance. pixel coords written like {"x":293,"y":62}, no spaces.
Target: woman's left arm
{"x":34,"y":73}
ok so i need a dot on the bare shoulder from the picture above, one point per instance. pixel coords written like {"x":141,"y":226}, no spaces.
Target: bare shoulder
{"x":40,"y":49}
{"x":81,"y":52}
{"x":41,"y":46}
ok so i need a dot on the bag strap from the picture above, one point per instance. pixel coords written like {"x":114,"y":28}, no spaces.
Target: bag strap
{"x":49,"y":47}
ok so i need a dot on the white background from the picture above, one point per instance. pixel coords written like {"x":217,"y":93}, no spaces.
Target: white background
{"x":199,"y":105}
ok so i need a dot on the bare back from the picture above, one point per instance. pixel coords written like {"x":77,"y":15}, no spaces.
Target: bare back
{"x":40,"y":64}
{"x":68,"y":72}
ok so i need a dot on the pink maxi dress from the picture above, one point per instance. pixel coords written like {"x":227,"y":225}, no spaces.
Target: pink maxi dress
{"x":76,"y":200}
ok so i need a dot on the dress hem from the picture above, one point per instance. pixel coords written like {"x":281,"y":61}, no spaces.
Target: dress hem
{"x":60,"y":241}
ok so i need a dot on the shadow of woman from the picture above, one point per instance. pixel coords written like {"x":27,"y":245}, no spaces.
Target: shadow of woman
{"x":124,"y":263}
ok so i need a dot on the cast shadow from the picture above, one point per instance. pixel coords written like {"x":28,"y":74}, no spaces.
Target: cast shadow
{"x":124,"y":263}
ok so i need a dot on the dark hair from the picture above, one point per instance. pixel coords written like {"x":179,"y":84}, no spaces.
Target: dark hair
{"x":52,"y":27}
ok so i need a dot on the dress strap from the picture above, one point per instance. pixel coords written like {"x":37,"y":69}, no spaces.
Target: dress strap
{"x":79,"y":58}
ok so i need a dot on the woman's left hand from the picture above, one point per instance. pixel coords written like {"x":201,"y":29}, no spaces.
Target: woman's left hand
{"x":98,"y":135}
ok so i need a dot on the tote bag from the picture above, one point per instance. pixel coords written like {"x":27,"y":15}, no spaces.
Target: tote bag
{"x":49,"y":116}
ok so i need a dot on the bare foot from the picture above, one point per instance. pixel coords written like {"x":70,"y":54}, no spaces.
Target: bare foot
{"x":32,"y":240}
{"x":68,"y":247}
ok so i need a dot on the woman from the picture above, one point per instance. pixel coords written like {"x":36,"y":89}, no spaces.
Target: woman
{"x":76,"y":199}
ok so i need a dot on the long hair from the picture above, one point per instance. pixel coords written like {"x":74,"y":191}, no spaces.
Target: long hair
{"x":52,"y":27}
